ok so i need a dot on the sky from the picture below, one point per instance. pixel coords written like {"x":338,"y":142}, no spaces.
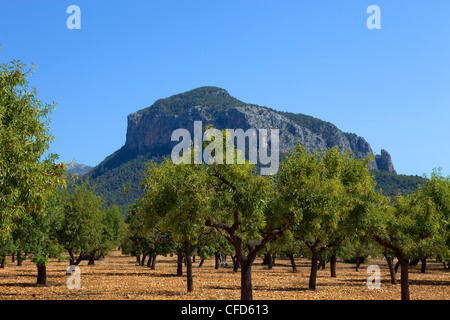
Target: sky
{"x":389,"y":85}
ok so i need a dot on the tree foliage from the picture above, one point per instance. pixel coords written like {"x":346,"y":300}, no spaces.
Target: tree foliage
{"x":28,"y":176}
{"x":415,"y":225}
{"x":82,"y":226}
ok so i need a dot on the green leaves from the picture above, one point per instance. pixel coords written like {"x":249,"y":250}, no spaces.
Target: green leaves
{"x":176,"y":199}
{"x":82,"y":226}
{"x":417,"y":224}
{"x":330,"y":193}
{"x":113,"y":228}
{"x":27,"y":179}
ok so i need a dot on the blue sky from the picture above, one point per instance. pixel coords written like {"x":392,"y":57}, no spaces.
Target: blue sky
{"x":391,"y":86}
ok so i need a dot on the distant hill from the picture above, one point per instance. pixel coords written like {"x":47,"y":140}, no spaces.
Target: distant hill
{"x":78,"y":168}
{"x":392,"y":184}
{"x":148,"y":137}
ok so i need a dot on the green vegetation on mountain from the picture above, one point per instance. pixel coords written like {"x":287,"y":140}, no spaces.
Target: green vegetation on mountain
{"x":392,"y":184}
{"x":121,"y":184}
{"x":215,"y":97}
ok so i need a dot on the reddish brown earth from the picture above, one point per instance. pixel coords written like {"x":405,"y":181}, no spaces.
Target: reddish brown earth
{"x":119,"y":277}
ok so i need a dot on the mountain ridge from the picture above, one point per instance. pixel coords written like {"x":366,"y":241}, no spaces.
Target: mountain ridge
{"x":78,"y":168}
{"x":149,"y":132}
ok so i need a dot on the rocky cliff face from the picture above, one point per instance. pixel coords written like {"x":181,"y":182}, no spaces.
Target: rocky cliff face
{"x":149,"y":137}
{"x":384,"y":162}
{"x":151,"y":128}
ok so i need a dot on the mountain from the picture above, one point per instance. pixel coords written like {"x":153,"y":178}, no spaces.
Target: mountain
{"x":151,"y":128}
{"x":391,"y":183}
{"x":78,"y":168}
{"x":149,"y":136}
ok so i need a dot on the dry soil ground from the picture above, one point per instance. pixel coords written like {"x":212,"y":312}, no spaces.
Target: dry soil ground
{"x":119,"y":277}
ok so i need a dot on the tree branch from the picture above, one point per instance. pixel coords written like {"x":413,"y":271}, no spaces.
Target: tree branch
{"x":223,"y":179}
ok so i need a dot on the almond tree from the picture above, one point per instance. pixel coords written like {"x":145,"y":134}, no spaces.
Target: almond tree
{"x":113,"y":229}
{"x":176,"y":201}
{"x":415,"y":222}
{"x":38,"y":235}
{"x":357,"y":202}
{"x":144,"y":239}
{"x":331,"y":191}
{"x":313,"y":188}
{"x":438,"y":189}
{"x":27,"y":176}
{"x":82,"y":228}
{"x":244,"y":207}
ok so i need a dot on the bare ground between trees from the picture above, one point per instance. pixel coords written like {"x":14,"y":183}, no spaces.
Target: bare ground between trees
{"x":118,"y":277}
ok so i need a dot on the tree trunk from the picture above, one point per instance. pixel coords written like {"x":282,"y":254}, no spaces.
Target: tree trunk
{"x":414,"y":262}
{"x":2,"y":263}
{"x":19,"y":259}
{"x":236,"y":263}
{"x":216,"y":260}
{"x":246,"y":281}
{"x":396,"y":266}
{"x":144,"y":256}
{"x":423,"y":269}
{"x":322,"y":262}
{"x":245,"y":261}
{"x":294,"y":266}
{"x":12,"y":258}
{"x":404,"y":264}
{"x":268,"y":260}
{"x":150,"y":258}
{"x":358,"y":263}
{"x":42,"y":275}
{"x":333,"y":260}
{"x":179,"y":263}
{"x":138,"y":259}
{"x":313,"y":274}
{"x":187,"y":251}
{"x":392,"y":272}
{"x":80,"y":257}
{"x":91,"y":259}
{"x":71,"y":261}
{"x":152,"y":266}
{"x":201,"y":263}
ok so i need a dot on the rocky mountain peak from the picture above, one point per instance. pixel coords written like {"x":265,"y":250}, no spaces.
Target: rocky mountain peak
{"x":150,"y":129}
{"x":384,"y":162}
{"x":149,"y":137}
